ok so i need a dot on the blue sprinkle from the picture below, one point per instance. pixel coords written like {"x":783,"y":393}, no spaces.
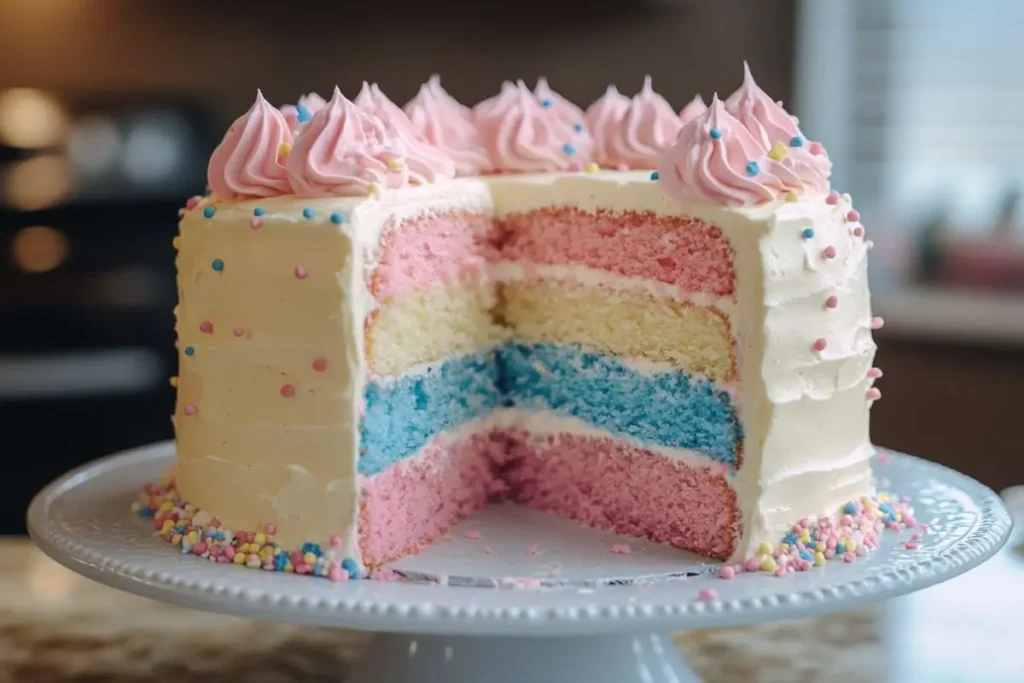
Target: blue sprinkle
{"x":808,"y":233}
{"x":789,"y":538}
{"x":578,"y":127}
{"x":840,"y":549}
{"x":280,"y":561}
{"x":146,"y":512}
{"x":568,"y":149}
{"x":885,"y":507}
{"x":715,"y":133}
{"x":796,"y":141}
{"x":217,"y":265}
{"x":806,"y":556}
{"x":753,"y":168}
{"x":349,"y":565}
{"x":655,"y":175}
{"x":850,"y":509}
{"x":337,"y":218}
{"x":189,"y":351}
{"x":546,"y":103}
{"x":209,"y":211}
{"x":258,"y":211}
{"x":307,"y":212}
{"x":303,"y":113}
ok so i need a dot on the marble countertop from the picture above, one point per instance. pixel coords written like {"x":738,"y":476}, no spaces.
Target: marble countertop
{"x":56,"y":626}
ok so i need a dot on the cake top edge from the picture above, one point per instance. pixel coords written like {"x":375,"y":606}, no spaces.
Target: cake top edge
{"x":743,"y":150}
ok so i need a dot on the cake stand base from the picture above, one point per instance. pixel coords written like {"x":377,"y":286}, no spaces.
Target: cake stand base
{"x":647,"y":658}
{"x":548,"y":602}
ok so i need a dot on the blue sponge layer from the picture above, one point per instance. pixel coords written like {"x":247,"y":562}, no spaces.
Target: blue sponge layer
{"x":669,"y":409}
{"x":403,"y":414}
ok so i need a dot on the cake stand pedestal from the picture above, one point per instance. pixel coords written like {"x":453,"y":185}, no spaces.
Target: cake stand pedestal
{"x":543,"y":603}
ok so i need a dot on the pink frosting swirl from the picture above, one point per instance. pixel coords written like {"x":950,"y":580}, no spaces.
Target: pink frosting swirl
{"x":522,"y":135}
{"x":564,"y":110}
{"x":717,"y":160}
{"x":345,"y":152}
{"x":693,"y":109}
{"x":602,"y":119}
{"x":648,"y":127}
{"x":448,"y":125}
{"x":247,"y":162}
{"x":427,"y":164}
{"x":310,"y":102}
{"x":805,"y":162}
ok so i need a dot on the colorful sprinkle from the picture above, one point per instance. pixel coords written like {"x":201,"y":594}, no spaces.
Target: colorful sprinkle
{"x":753,"y":168}
{"x":832,"y":301}
{"x":790,"y":197}
{"x":173,"y":381}
{"x":546,"y":103}
{"x":239,"y":332}
{"x":217,"y":265}
{"x":190,"y":409}
{"x":335,"y":541}
{"x":258,"y":211}
{"x":189,"y":351}
{"x":176,"y":242}
{"x":877,"y":322}
{"x":816,"y":148}
{"x":808,"y":233}
{"x":349,"y":565}
{"x":307,"y":212}
{"x":707,"y":594}
{"x":301,"y":272}
{"x":302,"y":114}
{"x":778,"y":152}
{"x":622,"y":549}
{"x":796,"y":141}
{"x":206,"y":327}
{"x":874,"y":394}
{"x":858,"y":231}
{"x":255,"y":223}
{"x":209,"y":211}
{"x":874,"y":373}
{"x":852,"y":215}
{"x":395,"y":163}
{"x":320,"y":364}
{"x":715,"y":133}
{"x":284,"y":149}
{"x":192,"y":202}
{"x":591,"y":168}
{"x":568,"y":149}
{"x":655,"y":175}
{"x":578,"y":127}
{"x":820,"y":344}
{"x":829,"y":252}
{"x":832,"y":198}
{"x":726,"y":572}
{"x":288,"y":391}
{"x":337,"y":218}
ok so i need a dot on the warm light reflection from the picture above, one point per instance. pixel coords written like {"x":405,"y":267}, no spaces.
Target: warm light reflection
{"x":94,"y":145}
{"x":49,"y":582}
{"x":30,"y":118}
{"x":37,"y":183}
{"x":39,"y":249}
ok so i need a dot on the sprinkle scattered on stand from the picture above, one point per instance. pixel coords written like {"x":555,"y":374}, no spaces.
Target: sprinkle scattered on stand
{"x":307,"y":212}
{"x":190,"y":351}
{"x":217,"y":265}
{"x":258,"y":211}
{"x":206,"y":327}
{"x":726,"y":572}
{"x":255,"y":223}
{"x":320,"y":364}
{"x":239,"y":331}
{"x":707,"y":594}
{"x":288,"y":391}
{"x":301,"y":272}
{"x":190,"y":409}
{"x":337,"y":218}
{"x":621,"y":549}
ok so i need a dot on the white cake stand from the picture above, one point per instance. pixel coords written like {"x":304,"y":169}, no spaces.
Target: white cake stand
{"x":597,"y":616}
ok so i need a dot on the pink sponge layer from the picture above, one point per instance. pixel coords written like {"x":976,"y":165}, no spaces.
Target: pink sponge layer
{"x":417,"y":500}
{"x":605,"y":483}
{"x":434,"y":248}
{"x":681,"y":251}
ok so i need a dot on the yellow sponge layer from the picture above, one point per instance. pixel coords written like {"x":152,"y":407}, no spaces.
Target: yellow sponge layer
{"x":427,"y":326}
{"x":693,"y":338}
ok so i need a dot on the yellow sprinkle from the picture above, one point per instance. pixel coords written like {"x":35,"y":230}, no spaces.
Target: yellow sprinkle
{"x":805,"y":536}
{"x":189,"y":507}
{"x":783,"y":548}
{"x":168,"y":525}
{"x":176,"y":242}
{"x":819,"y":558}
{"x":193,"y":537}
{"x":820,"y":547}
{"x":166,"y":506}
{"x":176,"y":539}
{"x":778,"y":152}
{"x":284,"y":149}
{"x":375,"y":190}
{"x":592,"y":168}
{"x":289,"y":568}
{"x":244,"y":548}
{"x":394,"y":163}
{"x":764,"y":548}
{"x":174,"y":381}
{"x":309,"y":558}
{"x":790,"y":196}
{"x":266,"y":552}
{"x":239,"y":558}
{"x":254,"y":547}
{"x":768,"y":565}
{"x":260,"y":538}
{"x":851,"y":545}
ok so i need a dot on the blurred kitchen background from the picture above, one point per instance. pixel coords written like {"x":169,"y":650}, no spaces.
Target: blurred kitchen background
{"x":109,"y":109}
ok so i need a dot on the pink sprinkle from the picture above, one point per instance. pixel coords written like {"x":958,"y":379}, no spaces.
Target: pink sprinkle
{"x":911,"y":545}
{"x":875,"y":373}
{"x":223,"y":559}
{"x":877,"y":322}
{"x":707,"y":594}
{"x":622,"y":167}
{"x":320,"y":364}
{"x":288,"y":391}
{"x":849,"y":557}
{"x":301,"y":272}
{"x":753,"y":564}
{"x":816,"y":149}
{"x":621,"y":549}
{"x":473,"y":535}
{"x":336,"y":573}
{"x":295,"y":558}
{"x":883,"y":458}
{"x":873,"y":394}
{"x":858,"y":232}
{"x":199,"y":548}
{"x":486,"y":549}
{"x":533,"y":550}
{"x":302,"y":568}
{"x":190,"y":409}
{"x":239,"y":331}
{"x":726,"y":572}
{"x":158,"y":523}
{"x":206,"y":327}
{"x":830,"y":252}
{"x":256,"y":223}
{"x":243,"y":536}
{"x":830,"y":553}
{"x":832,"y":301}
{"x":780,"y":571}
{"x":916,"y":536}
{"x":193,"y":202}
{"x":229,"y":552}
{"x":852,"y":215}
{"x":832,"y":198}
{"x":819,"y":344}
{"x":335,"y":541}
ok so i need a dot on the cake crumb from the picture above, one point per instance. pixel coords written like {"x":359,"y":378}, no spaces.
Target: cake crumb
{"x":533,"y":550}
{"x":473,"y":535}
{"x":621,"y":549}
{"x":707,"y":594}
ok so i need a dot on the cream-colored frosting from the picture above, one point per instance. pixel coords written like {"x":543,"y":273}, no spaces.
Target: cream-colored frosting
{"x":252,"y":456}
